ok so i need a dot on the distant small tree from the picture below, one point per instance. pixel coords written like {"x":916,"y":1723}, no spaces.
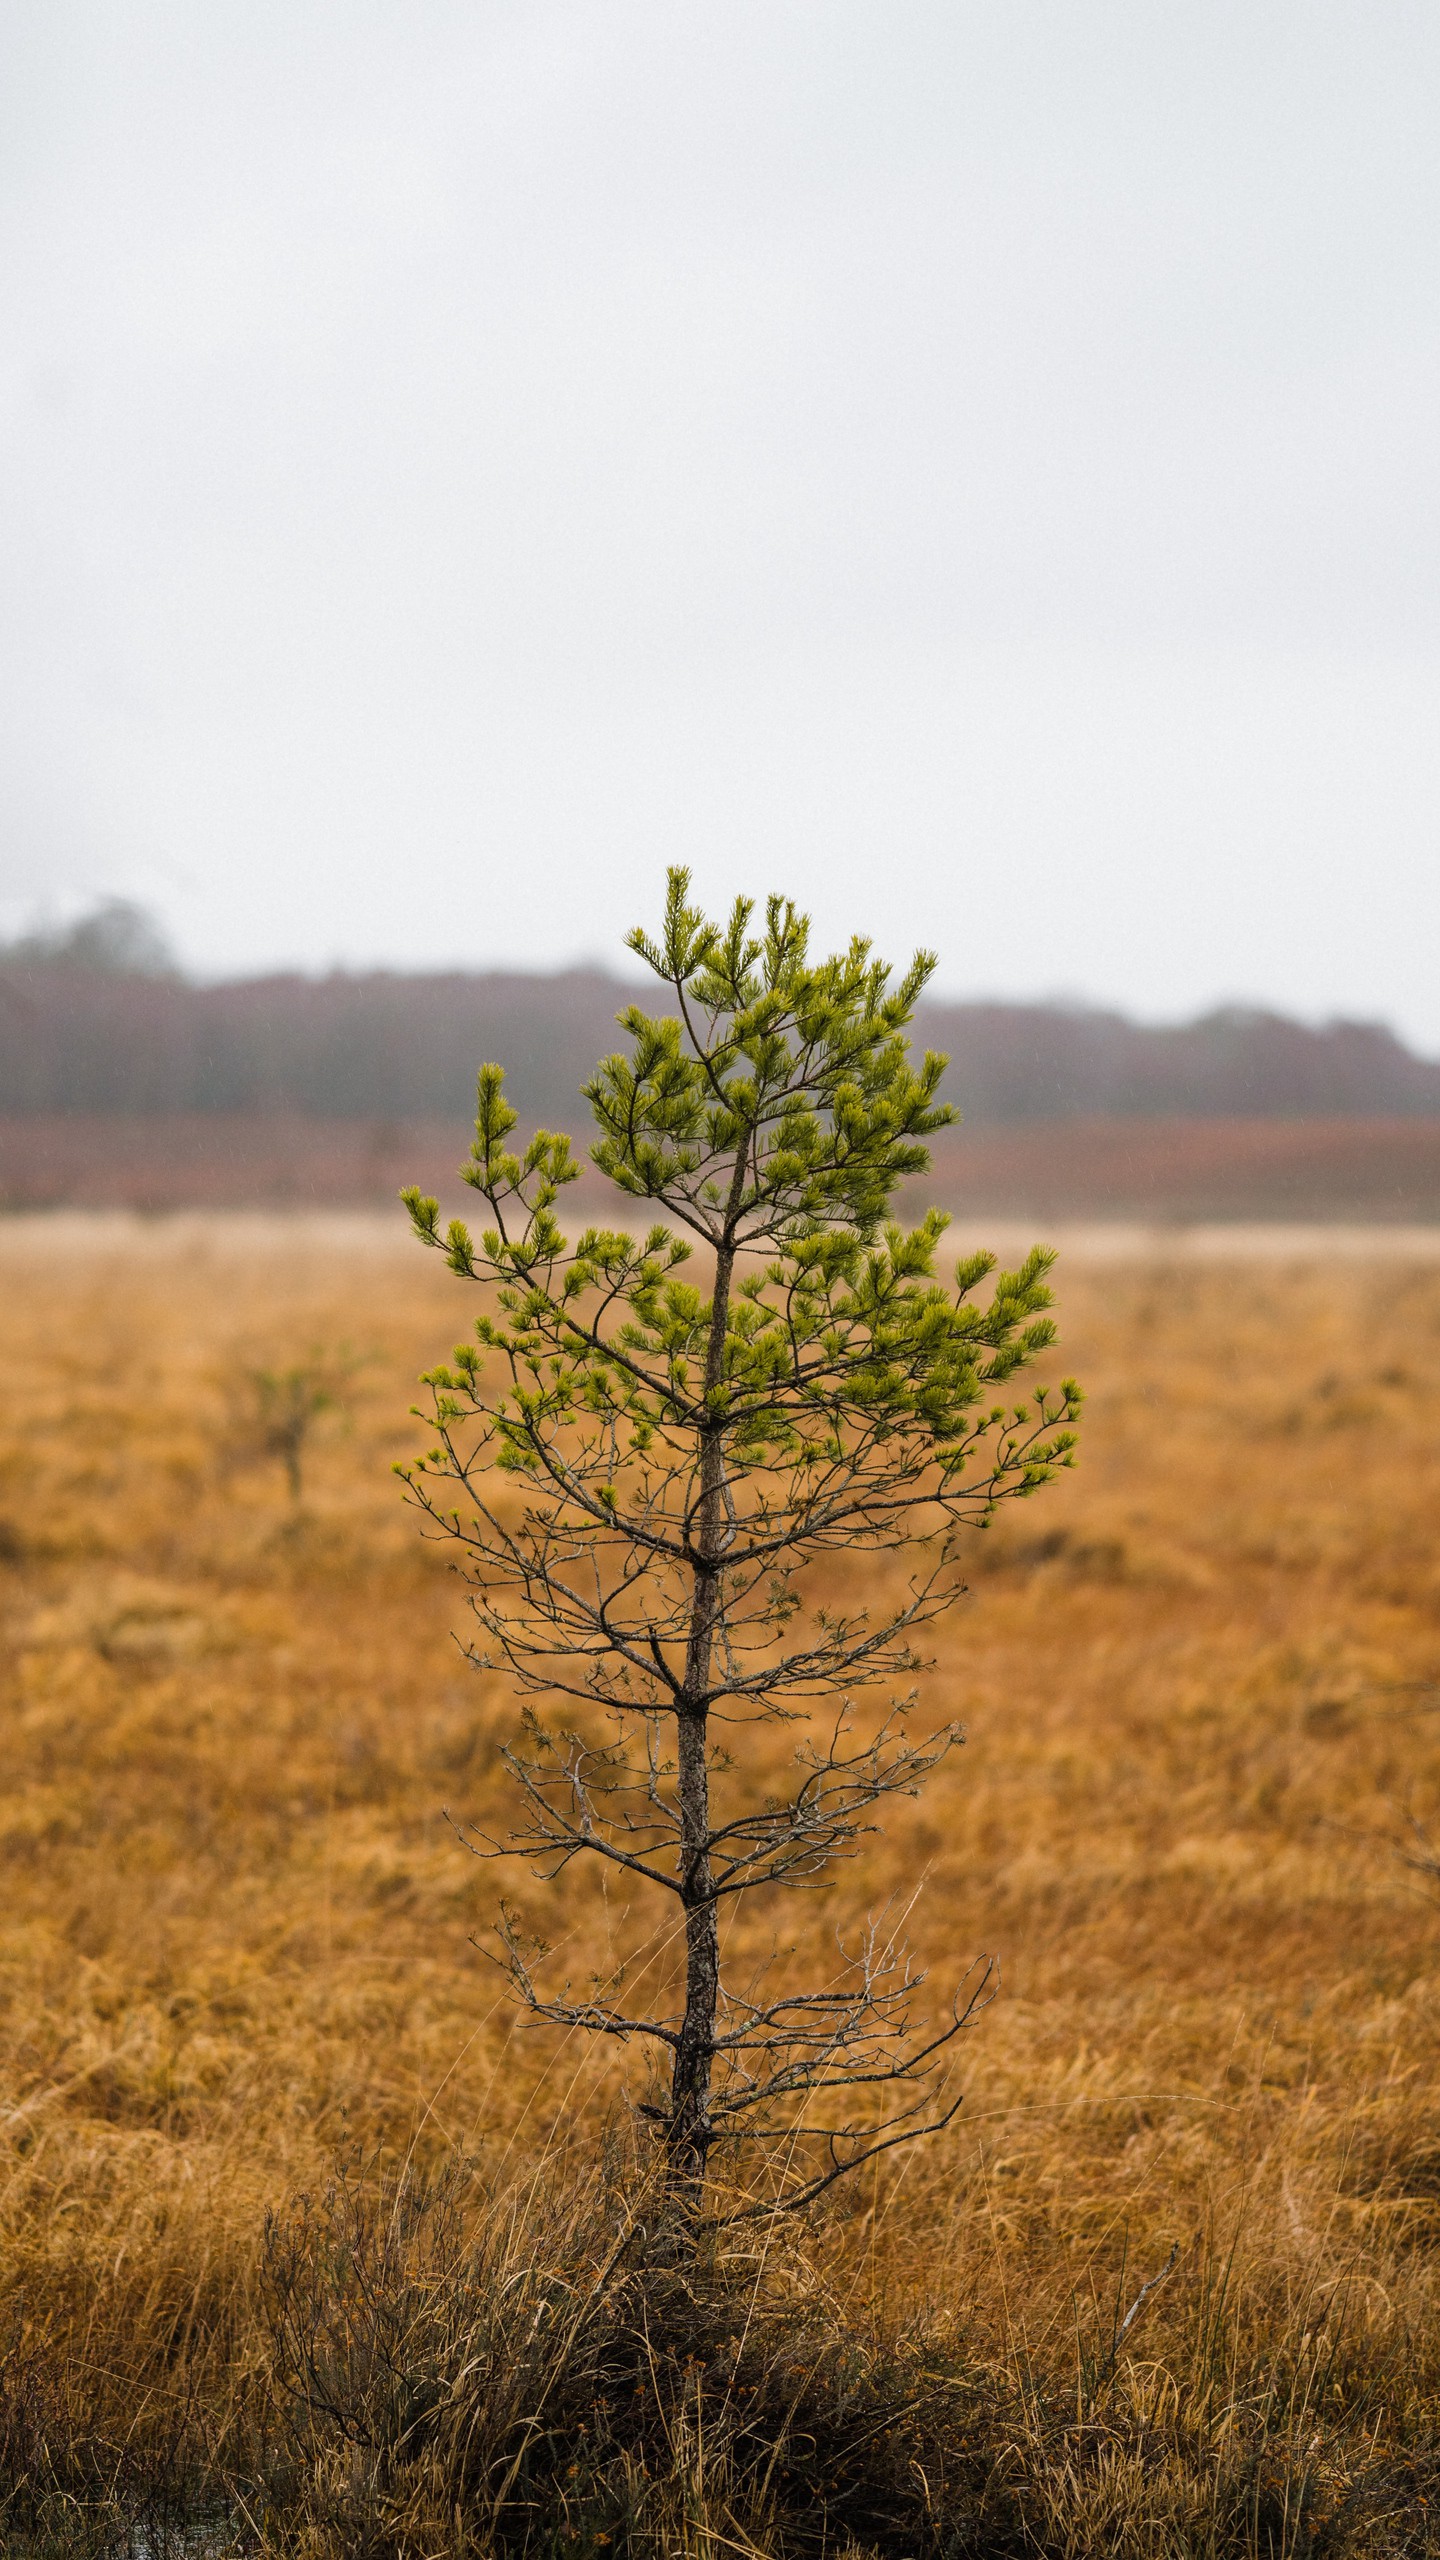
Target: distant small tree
{"x":117,"y":938}
{"x":284,"y":1405}
{"x":644,"y":1471}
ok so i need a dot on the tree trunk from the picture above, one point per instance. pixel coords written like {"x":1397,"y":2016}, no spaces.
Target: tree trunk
{"x":689,"y":2133}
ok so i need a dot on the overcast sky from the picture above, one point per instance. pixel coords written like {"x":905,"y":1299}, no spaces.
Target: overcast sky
{"x":971,"y":466}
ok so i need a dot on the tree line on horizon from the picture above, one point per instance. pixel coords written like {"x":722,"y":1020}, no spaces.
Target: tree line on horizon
{"x":97,"y":1018}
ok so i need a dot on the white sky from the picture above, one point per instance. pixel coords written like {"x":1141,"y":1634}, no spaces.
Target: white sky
{"x":972,"y":466}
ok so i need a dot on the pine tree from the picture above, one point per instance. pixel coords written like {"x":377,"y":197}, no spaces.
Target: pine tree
{"x":642,"y":1470}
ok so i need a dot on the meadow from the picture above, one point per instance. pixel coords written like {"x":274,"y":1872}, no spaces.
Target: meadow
{"x":1201,"y":1686}
{"x":1183,"y":1170}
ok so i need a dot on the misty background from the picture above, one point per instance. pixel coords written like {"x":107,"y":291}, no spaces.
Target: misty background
{"x":974,"y":468}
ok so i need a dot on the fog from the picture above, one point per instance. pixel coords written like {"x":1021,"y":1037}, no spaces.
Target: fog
{"x":970,"y":466}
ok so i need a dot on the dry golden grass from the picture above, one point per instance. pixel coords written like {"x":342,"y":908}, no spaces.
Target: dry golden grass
{"x":1201,"y":1681}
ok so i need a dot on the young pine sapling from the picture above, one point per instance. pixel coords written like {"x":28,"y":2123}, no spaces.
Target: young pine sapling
{"x":645,"y":1471}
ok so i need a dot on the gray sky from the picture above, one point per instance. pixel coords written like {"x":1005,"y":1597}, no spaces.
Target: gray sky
{"x":973,"y":466}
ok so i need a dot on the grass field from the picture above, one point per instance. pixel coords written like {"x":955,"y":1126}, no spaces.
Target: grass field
{"x":1201,"y":1682}
{"x":1126,"y":1167}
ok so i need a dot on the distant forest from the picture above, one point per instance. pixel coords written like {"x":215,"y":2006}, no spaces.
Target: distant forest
{"x":98,"y":1020}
